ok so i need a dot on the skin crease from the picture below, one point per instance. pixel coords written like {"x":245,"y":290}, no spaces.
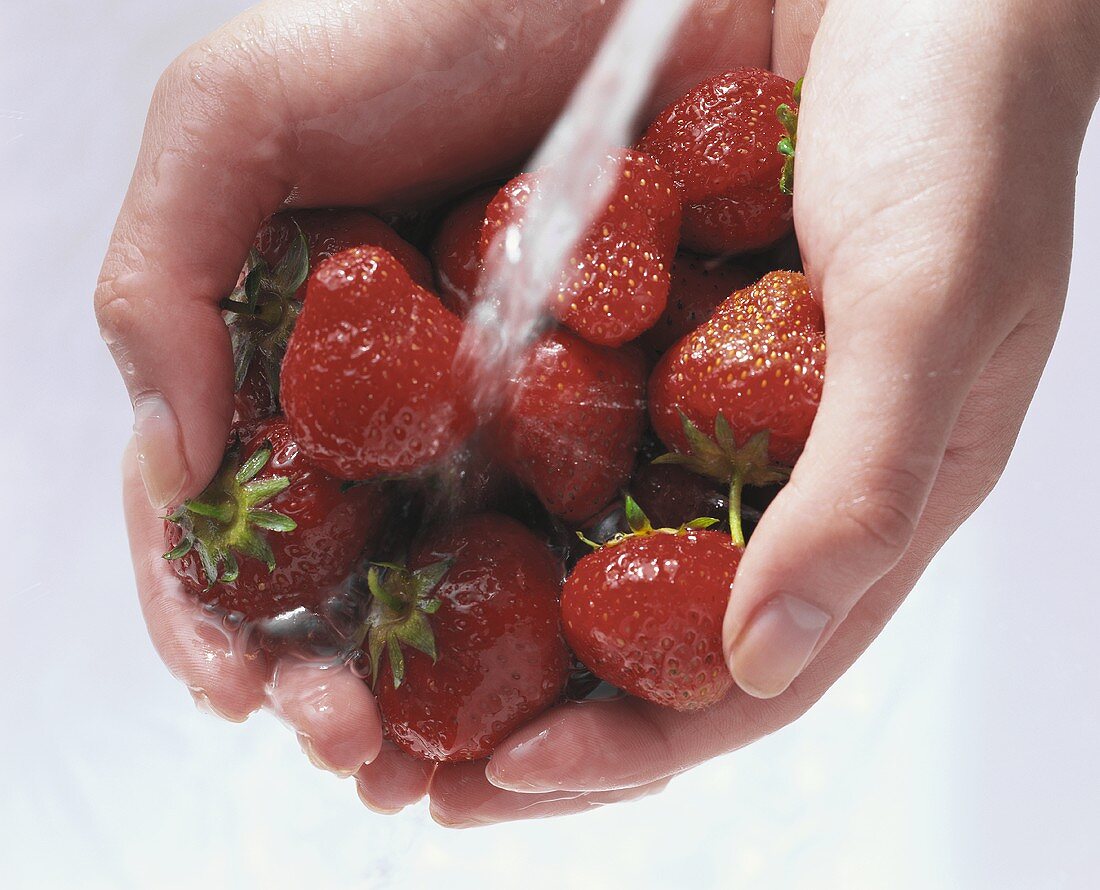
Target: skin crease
{"x":942,"y":299}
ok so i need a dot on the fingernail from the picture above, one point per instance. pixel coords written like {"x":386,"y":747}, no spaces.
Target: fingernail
{"x":374,"y":808}
{"x":318,"y":761}
{"x":519,"y":769}
{"x":159,"y":449}
{"x":776,"y":645}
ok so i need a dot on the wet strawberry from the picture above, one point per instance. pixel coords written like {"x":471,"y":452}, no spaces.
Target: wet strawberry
{"x":753,"y":375}
{"x":571,"y":422}
{"x":720,"y":143}
{"x":271,"y":533}
{"x":699,"y":284}
{"x":262,"y":313}
{"x":616,"y":284}
{"x":644,"y":612}
{"x":455,"y":251}
{"x":329,"y":232}
{"x":368,"y":383}
{"x":672,"y":495}
{"x":465,"y":645}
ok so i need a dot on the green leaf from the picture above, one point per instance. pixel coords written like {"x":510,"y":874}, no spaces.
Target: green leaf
{"x":256,"y":546}
{"x":244,"y":350}
{"x":429,"y":607}
{"x":254,"y":464}
{"x":294,"y":267}
{"x":220,"y":512}
{"x":376,"y":643}
{"x":181,"y":549}
{"x":262,"y":490}
{"x":379,"y":588}
{"x":703,"y":522}
{"x":426,"y":580}
{"x":588,"y":541}
{"x":209,"y":563}
{"x":232,"y":570}
{"x":275,"y":522}
{"x":397,"y":661}
{"x":635,"y":516}
{"x":417,"y":632}
{"x":723,"y":435}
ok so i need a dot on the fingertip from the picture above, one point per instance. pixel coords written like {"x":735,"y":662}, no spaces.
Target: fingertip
{"x":393,"y":780}
{"x":331,"y":711}
{"x":775,"y":645}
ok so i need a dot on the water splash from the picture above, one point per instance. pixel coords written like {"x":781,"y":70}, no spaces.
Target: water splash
{"x":528,"y":259}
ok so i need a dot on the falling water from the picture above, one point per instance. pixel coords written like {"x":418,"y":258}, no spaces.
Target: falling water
{"x":600,"y":116}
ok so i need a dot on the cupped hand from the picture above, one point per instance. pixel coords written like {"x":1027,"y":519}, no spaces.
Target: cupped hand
{"x":936,"y":158}
{"x":306,"y":104}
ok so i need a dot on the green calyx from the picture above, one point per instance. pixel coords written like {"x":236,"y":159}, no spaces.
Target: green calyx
{"x":640,"y":526}
{"x":721,"y":458}
{"x":788,"y":116}
{"x":228,"y":520}
{"x":401,"y":601}
{"x":262,"y":312}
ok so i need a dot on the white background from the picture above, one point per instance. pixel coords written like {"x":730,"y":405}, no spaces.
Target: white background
{"x":960,"y":751}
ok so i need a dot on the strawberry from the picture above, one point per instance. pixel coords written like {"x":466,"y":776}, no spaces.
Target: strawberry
{"x":455,"y":251}
{"x":329,"y":232}
{"x":644,"y":612}
{"x":263,"y":310}
{"x":753,"y":374}
{"x":616,"y":284}
{"x":721,"y":144}
{"x":367,"y":382}
{"x":471,"y":635}
{"x":570,"y":424}
{"x":672,"y":495}
{"x":699,"y":284}
{"x":270,"y":533}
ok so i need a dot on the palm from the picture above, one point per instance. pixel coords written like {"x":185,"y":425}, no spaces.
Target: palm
{"x":884,"y":171}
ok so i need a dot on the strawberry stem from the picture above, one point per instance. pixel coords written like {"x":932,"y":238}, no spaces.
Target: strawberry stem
{"x":737,"y":483}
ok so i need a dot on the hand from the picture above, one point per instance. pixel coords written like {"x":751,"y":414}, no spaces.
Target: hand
{"x":303,"y":103}
{"x":937,"y":151}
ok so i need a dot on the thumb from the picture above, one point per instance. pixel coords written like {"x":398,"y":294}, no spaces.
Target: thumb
{"x":198,"y":195}
{"x":854,"y":499}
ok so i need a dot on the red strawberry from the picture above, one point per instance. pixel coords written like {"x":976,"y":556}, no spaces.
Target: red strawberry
{"x":570,"y":424}
{"x":367,"y":382}
{"x":455,"y":251}
{"x":255,"y":399}
{"x":263,"y":311}
{"x":672,"y":495}
{"x":699,"y":284}
{"x":271,"y":533}
{"x":720,"y":143}
{"x":329,"y":232}
{"x":616,"y":285}
{"x":472,"y":638}
{"x":753,"y":374}
{"x":644,"y":612}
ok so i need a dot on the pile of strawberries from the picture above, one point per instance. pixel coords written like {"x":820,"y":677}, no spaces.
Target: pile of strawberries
{"x":478,"y":569}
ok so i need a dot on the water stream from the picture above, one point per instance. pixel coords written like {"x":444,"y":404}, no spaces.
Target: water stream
{"x":600,"y":116}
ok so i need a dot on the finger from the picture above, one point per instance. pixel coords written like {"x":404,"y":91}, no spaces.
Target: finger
{"x":616,"y":744}
{"x":461,"y":797}
{"x":920,"y":282}
{"x":331,"y":710}
{"x":393,"y":780}
{"x":796,"y":24}
{"x":212,"y":660}
{"x":299,"y":100}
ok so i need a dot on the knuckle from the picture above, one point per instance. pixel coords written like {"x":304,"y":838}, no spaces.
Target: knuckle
{"x":115,"y":313}
{"x":231,"y":77}
{"x":883,"y":515}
